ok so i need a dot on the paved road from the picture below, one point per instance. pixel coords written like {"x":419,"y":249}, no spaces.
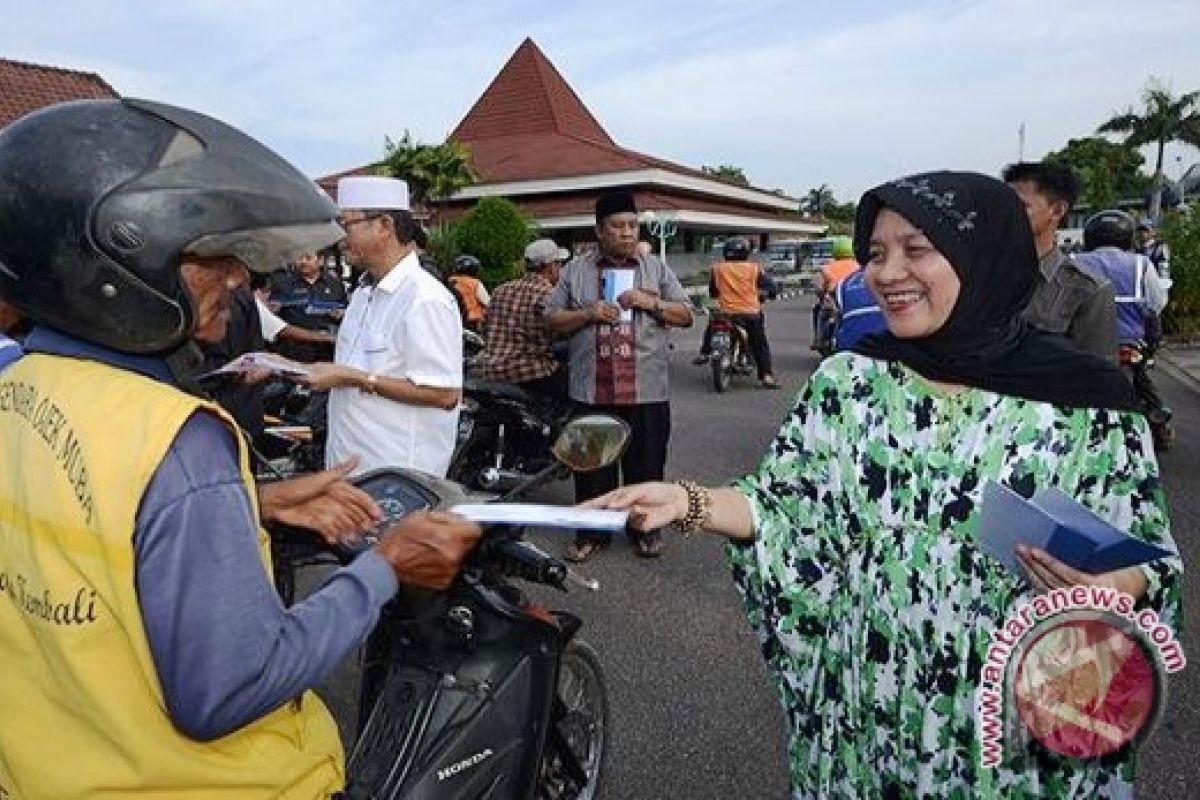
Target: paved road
{"x":693,"y":713}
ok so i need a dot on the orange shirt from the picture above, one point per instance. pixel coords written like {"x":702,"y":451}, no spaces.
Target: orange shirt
{"x":467,"y":288}
{"x":837,"y":271}
{"x":737,"y":286}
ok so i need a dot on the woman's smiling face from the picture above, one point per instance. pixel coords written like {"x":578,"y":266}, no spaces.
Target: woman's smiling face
{"x":914,"y":283}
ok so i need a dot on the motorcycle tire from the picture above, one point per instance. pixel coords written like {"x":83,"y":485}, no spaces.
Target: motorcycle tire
{"x":722,"y":371}
{"x":1163,"y":435}
{"x":578,"y":741}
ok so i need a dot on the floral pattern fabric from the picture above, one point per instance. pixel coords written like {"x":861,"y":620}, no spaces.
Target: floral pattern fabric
{"x":872,"y":602}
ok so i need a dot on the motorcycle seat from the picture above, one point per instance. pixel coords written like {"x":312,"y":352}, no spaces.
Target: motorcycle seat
{"x":499,"y":389}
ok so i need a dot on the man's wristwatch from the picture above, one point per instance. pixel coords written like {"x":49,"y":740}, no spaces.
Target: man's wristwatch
{"x":372,"y":386}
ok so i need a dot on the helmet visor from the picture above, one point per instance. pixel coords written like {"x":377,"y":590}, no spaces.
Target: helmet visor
{"x":264,"y":250}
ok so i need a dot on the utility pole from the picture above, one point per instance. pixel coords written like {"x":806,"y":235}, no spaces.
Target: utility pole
{"x":1021,"y":142}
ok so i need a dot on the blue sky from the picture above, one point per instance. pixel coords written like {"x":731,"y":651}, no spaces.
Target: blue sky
{"x":796,"y":93}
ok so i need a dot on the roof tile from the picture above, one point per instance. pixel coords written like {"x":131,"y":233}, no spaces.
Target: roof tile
{"x":27,"y":87}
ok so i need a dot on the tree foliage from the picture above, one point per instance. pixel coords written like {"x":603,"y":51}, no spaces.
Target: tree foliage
{"x":1164,"y":118}
{"x":1181,"y":232}
{"x":821,"y":202}
{"x":1107,"y":171}
{"x":433,"y":171}
{"x":496,"y":232}
{"x":818,"y":200}
{"x":443,"y":246}
{"x":727,"y":173}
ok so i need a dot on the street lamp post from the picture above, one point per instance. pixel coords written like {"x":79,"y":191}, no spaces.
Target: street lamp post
{"x":663,"y":228}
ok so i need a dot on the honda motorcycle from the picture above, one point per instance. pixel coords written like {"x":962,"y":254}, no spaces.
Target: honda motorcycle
{"x":729,"y":351}
{"x":476,"y":691}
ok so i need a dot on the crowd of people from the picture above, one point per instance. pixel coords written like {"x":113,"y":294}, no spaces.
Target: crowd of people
{"x":988,"y":355}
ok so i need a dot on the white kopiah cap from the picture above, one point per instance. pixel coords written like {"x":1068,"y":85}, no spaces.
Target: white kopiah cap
{"x":372,"y":193}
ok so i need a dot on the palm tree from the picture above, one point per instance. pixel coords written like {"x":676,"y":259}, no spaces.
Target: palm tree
{"x":433,"y":171}
{"x":1164,"y":119}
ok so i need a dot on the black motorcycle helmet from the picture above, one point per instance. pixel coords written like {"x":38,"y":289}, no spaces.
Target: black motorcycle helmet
{"x":99,"y":199}
{"x":1109,"y":229}
{"x":736,"y":249}
{"x":467,"y":265}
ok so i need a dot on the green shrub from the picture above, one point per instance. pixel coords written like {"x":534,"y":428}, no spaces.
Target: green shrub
{"x":495,"y":232}
{"x":443,"y":246}
{"x":1181,"y":232}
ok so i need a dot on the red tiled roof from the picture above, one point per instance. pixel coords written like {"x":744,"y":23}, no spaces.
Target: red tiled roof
{"x":529,"y":96}
{"x":28,"y":87}
{"x":530,"y":125}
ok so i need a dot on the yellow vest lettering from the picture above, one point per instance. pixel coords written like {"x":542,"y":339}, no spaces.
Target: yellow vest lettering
{"x":83,"y":711}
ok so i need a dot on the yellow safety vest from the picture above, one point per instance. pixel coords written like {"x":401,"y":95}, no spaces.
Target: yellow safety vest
{"x":82,"y":713}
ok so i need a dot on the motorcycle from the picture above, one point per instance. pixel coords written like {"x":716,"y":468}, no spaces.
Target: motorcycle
{"x":1140,"y":356}
{"x":474,"y":353}
{"x":506,"y":437}
{"x":825,"y":321}
{"x":729,"y":351}
{"x":476,"y":691}
{"x":293,"y":440}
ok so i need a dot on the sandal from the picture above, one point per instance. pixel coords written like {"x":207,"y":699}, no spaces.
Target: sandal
{"x":648,"y":545}
{"x":580,"y":552}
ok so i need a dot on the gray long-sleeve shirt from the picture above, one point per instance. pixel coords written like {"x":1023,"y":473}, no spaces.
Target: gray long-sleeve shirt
{"x":225,"y":649}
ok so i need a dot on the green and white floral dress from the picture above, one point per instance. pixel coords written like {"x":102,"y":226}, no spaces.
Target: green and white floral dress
{"x":873,"y":604}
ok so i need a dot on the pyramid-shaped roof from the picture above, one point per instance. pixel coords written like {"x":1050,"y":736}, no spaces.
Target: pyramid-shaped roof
{"x":529,"y":124}
{"x":530,"y":129}
{"x":529,"y":97}
{"x":27,"y":87}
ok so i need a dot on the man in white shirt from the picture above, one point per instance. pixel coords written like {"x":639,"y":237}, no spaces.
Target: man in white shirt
{"x":397,"y":377}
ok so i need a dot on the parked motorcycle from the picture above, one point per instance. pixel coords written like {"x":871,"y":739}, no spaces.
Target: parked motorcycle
{"x":506,"y":437}
{"x":1135,"y":356}
{"x":293,"y":440}
{"x":474,"y":353}
{"x":729,"y":351}
{"x":476,"y":691}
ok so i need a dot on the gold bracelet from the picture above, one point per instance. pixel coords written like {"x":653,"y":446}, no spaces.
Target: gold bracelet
{"x":699,"y":513}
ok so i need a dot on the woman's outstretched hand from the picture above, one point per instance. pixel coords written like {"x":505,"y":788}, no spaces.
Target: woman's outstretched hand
{"x":650,"y":505}
{"x":1046,"y":573}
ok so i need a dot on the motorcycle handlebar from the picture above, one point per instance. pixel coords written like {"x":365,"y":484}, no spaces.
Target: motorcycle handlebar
{"x":517,"y":558}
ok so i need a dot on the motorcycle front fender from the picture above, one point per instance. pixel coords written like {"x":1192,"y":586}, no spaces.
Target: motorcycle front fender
{"x":455,"y":720}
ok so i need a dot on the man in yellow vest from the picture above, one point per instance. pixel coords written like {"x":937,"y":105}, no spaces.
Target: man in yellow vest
{"x":146,"y":652}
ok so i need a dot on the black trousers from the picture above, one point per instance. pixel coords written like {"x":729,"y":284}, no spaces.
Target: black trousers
{"x":755,"y":326}
{"x":645,"y":459}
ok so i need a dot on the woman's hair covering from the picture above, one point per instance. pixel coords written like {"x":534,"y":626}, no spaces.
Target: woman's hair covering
{"x":979,"y":224}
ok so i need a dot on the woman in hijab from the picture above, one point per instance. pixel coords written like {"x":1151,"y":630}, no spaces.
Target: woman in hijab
{"x":855,"y":544}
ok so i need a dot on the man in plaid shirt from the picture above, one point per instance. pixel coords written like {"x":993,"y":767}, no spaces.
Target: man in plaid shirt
{"x":518,"y":346}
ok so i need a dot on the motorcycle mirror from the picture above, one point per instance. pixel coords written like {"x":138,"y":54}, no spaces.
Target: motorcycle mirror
{"x":591,"y":442}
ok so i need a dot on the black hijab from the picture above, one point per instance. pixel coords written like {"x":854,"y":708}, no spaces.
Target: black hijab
{"x":979,"y":224}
